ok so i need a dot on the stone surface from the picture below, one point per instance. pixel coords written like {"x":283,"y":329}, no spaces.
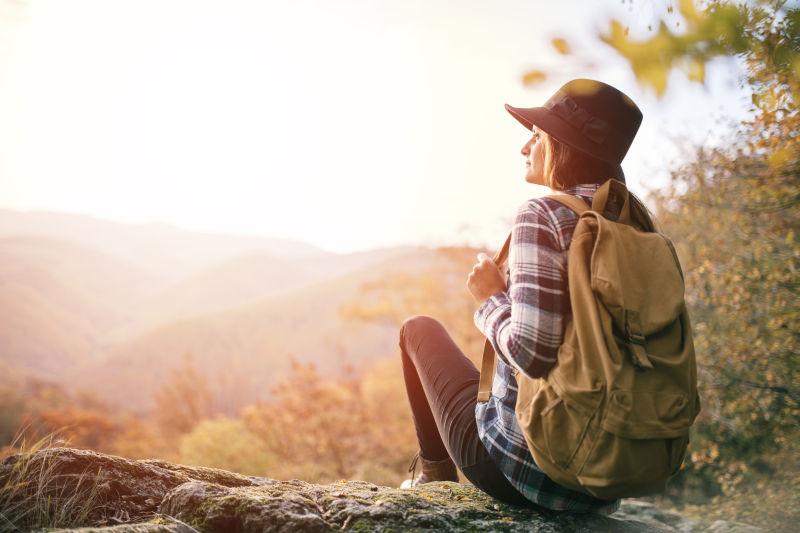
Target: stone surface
{"x":152,"y":496}
{"x":145,"y":527}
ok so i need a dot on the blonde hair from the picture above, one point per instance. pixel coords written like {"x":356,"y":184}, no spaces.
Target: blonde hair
{"x":565,"y":166}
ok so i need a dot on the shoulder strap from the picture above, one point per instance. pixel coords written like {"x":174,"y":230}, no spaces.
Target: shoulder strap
{"x":502,"y":254}
{"x":573,"y":202}
{"x":611,"y":193}
{"x":487,"y":362}
{"x":487,"y":372}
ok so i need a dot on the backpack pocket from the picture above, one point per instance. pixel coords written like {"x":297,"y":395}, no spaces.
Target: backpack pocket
{"x":648,"y":415}
{"x":556,"y":424}
{"x":641,"y":444}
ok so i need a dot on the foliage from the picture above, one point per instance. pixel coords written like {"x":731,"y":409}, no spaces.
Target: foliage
{"x":13,"y":404}
{"x":139,"y":438}
{"x":333,"y":429}
{"x":391,"y":433}
{"x":311,"y":421}
{"x":765,"y":33}
{"x":86,"y":428}
{"x":707,"y":34}
{"x":741,"y":282}
{"x":183,"y":400}
{"x":769,"y":499}
{"x":439,"y":291}
{"x":36,"y":408}
{"x":225,"y":443}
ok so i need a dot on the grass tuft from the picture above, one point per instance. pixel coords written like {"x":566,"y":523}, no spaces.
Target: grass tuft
{"x":33,"y":494}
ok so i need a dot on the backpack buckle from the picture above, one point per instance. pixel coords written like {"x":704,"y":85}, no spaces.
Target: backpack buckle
{"x":635,"y":337}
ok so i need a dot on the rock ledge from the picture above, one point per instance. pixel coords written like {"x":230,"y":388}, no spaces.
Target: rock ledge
{"x":149,"y":496}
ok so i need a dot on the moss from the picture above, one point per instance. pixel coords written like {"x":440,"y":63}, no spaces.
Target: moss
{"x":362,"y":524}
{"x":198,"y":515}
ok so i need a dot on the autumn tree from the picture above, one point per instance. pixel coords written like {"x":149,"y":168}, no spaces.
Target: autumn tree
{"x":35,"y":408}
{"x":226,"y":443}
{"x":312,"y":422}
{"x":139,"y":438}
{"x":438,"y":289}
{"x":324,"y":428}
{"x":83,"y":428}
{"x":183,"y":400}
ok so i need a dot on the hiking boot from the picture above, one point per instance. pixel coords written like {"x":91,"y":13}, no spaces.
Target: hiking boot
{"x":444,"y":470}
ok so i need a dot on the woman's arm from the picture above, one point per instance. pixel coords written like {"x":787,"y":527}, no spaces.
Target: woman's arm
{"x":525,"y":324}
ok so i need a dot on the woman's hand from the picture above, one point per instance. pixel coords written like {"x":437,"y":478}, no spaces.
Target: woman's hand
{"x":485,"y":279}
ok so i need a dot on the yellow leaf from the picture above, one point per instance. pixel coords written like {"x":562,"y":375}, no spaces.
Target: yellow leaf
{"x":697,"y":70}
{"x":561,"y":45}
{"x":780,"y":157}
{"x":654,"y":75}
{"x":533,"y":77}
{"x":689,"y":11}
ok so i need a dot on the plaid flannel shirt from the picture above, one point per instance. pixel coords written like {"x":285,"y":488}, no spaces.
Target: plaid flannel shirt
{"x":525,"y":327}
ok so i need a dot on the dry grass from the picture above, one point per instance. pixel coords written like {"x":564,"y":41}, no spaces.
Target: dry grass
{"x":32,"y":495}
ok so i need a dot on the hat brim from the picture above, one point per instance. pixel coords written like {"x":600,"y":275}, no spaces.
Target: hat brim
{"x":556,"y":127}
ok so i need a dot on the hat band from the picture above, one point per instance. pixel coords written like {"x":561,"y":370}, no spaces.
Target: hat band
{"x":591,"y":127}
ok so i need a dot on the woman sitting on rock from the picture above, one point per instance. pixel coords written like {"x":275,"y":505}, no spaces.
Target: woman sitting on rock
{"x":524,"y":320}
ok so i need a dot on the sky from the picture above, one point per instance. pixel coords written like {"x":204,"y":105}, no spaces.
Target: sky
{"x":349,"y":125}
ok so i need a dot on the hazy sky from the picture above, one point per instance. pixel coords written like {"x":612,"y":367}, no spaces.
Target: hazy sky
{"x":348,"y":125}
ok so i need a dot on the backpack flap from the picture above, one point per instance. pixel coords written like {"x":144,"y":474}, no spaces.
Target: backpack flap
{"x":636,"y":277}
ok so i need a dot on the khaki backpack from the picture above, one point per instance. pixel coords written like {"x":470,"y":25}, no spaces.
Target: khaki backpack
{"x":612,"y":417}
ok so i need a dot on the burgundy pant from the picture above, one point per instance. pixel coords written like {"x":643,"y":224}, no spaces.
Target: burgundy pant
{"x":442,"y":386}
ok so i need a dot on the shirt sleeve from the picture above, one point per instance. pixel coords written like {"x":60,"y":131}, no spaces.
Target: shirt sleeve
{"x":524,"y":325}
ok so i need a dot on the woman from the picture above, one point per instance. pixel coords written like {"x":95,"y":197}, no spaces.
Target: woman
{"x":579,"y":138}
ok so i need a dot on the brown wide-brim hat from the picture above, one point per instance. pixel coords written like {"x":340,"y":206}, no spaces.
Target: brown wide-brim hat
{"x":589,"y":115}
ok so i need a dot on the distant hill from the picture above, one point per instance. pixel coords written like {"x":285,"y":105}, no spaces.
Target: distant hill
{"x":243,"y":350}
{"x":58,"y":299}
{"x":170,"y":253}
{"x":241,"y":281}
{"x":111,"y":306}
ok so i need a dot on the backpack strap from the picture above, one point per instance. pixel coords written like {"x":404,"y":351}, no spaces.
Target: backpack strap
{"x":488,"y":360}
{"x":487,"y":372}
{"x":502,"y":254}
{"x":573,"y":202}
{"x":608,"y":196}
{"x":635,"y":338}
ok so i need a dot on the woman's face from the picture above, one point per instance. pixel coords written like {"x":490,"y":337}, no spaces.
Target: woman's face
{"x":534,"y":158}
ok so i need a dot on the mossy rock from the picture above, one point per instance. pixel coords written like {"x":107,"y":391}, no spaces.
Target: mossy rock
{"x":150,"y":496}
